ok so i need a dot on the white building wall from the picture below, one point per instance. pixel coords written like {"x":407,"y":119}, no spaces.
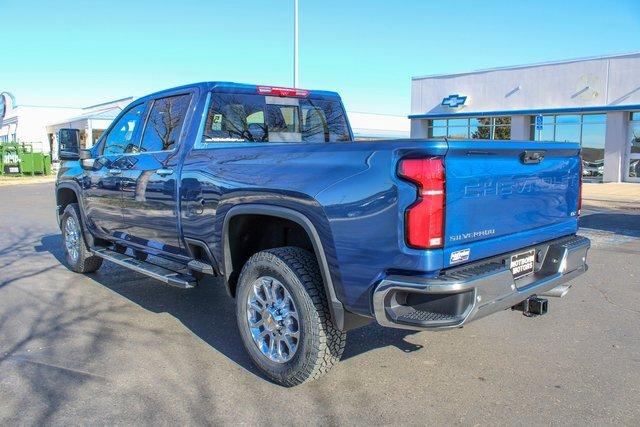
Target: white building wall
{"x":581,"y":83}
{"x":419,"y":129}
{"x":520,"y":127}
{"x":372,"y":125}
{"x":615,"y":146}
{"x":29,"y":123}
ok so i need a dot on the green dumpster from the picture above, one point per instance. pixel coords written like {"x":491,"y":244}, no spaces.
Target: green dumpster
{"x":33,"y":163}
{"x":27,"y":164}
{"x":19,"y":158}
{"x":47,"y":164}
{"x":10,"y":158}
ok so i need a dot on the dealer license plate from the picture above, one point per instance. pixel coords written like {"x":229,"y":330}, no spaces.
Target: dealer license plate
{"x":522,"y":264}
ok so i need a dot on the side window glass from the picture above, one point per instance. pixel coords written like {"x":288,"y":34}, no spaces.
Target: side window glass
{"x":164,"y":124}
{"x":236,"y":117}
{"x":121,"y":137}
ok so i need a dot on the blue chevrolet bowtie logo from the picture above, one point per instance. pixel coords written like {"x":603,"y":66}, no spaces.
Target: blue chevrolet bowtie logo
{"x":454,"y":101}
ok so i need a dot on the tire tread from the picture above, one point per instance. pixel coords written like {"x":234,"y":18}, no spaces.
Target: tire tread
{"x":330,"y":340}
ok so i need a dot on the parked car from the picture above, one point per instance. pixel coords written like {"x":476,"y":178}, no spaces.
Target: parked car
{"x":634,"y":168}
{"x":595,"y":168}
{"x":313,"y":233}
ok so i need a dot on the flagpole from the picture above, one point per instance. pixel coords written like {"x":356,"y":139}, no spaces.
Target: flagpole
{"x":296,"y":74}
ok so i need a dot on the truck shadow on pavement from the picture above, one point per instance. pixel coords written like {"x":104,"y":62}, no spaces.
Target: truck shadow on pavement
{"x":616,"y":223}
{"x":209,"y":313}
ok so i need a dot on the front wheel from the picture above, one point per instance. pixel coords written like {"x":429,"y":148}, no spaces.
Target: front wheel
{"x":284,"y":317}
{"x":79,"y":257}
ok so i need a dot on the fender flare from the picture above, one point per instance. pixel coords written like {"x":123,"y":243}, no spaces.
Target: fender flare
{"x":75,"y":187}
{"x":335,"y":306}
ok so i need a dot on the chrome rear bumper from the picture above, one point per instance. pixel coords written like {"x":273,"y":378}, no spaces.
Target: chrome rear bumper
{"x":463,"y":294}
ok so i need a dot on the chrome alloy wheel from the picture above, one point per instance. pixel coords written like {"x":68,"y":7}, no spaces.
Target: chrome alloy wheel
{"x":72,"y":238}
{"x":273,"y":319}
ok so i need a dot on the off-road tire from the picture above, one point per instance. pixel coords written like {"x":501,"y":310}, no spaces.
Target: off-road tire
{"x":86,"y":262}
{"x":320,"y":344}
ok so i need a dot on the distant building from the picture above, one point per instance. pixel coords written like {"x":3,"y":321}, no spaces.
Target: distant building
{"x":38,"y":125}
{"x":594,"y":101}
{"x":91,"y":121}
{"x":368,"y":126}
{"x":27,"y":123}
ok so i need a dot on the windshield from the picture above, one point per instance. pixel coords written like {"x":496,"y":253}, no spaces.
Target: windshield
{"x":258,"y":118}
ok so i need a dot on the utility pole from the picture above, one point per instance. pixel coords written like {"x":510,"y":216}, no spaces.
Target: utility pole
{"x":296,"y":74}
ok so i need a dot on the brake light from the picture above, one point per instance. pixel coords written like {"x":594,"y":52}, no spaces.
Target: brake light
{"x":283,"y":91}
{"x":424,"y":220}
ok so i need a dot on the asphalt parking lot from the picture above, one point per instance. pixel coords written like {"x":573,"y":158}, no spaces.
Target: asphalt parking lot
{"x":117,"y":348}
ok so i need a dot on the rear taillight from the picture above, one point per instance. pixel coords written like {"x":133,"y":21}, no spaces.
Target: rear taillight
{"x":424,"y":220}
{"x":283,"y":91}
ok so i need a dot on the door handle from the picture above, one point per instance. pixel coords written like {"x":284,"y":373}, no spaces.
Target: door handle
{"x":115,"y":171}
{"x":164,"y":172}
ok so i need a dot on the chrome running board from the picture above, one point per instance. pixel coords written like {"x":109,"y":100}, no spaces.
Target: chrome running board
{"x":170,"y":277}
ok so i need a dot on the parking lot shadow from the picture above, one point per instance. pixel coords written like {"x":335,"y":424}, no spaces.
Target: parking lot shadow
{"x":209,"y":312}
{"x":52,"y":243}
{"x":617,"y":223}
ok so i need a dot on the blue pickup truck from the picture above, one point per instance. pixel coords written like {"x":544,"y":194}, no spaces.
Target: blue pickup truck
{"x":314,"y":233}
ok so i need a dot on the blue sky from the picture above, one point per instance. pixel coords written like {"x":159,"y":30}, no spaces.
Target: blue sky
{"x":85,"y":52}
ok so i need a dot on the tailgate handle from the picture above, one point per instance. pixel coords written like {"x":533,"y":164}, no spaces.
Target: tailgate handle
{"x":532,"y":157}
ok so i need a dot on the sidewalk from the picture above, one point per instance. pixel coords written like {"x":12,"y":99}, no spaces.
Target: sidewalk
{"x":612,"y":195}
{"x":20,"y":180}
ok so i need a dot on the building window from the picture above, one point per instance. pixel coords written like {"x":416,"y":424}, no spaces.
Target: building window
{"x":633,"y":149}
{"x":587,"y":129}
{"x":472,"y":128}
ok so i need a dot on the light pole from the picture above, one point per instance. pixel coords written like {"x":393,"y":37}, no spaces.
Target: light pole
{"x":296,"y":75}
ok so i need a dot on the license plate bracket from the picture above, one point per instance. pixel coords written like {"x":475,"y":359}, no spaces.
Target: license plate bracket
{"x":523,"y":264}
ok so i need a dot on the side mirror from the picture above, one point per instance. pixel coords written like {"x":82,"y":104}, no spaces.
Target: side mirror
{"x":68,"y":144}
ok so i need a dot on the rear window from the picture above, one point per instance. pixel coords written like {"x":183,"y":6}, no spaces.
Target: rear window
{"x":257,"y":118}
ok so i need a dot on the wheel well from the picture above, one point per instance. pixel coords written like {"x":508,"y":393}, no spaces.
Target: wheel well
{"x":64,"y":197}
{"x":252,"y":233}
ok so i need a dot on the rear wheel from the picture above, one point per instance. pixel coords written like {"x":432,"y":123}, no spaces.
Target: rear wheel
{"x":79,"y":257}
{"x":284,"y":318}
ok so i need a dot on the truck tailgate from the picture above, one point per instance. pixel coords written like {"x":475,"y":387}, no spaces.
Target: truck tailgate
{"x":498,"y":201}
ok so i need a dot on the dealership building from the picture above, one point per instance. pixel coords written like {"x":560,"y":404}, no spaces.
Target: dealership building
{"x":593,"y":101}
